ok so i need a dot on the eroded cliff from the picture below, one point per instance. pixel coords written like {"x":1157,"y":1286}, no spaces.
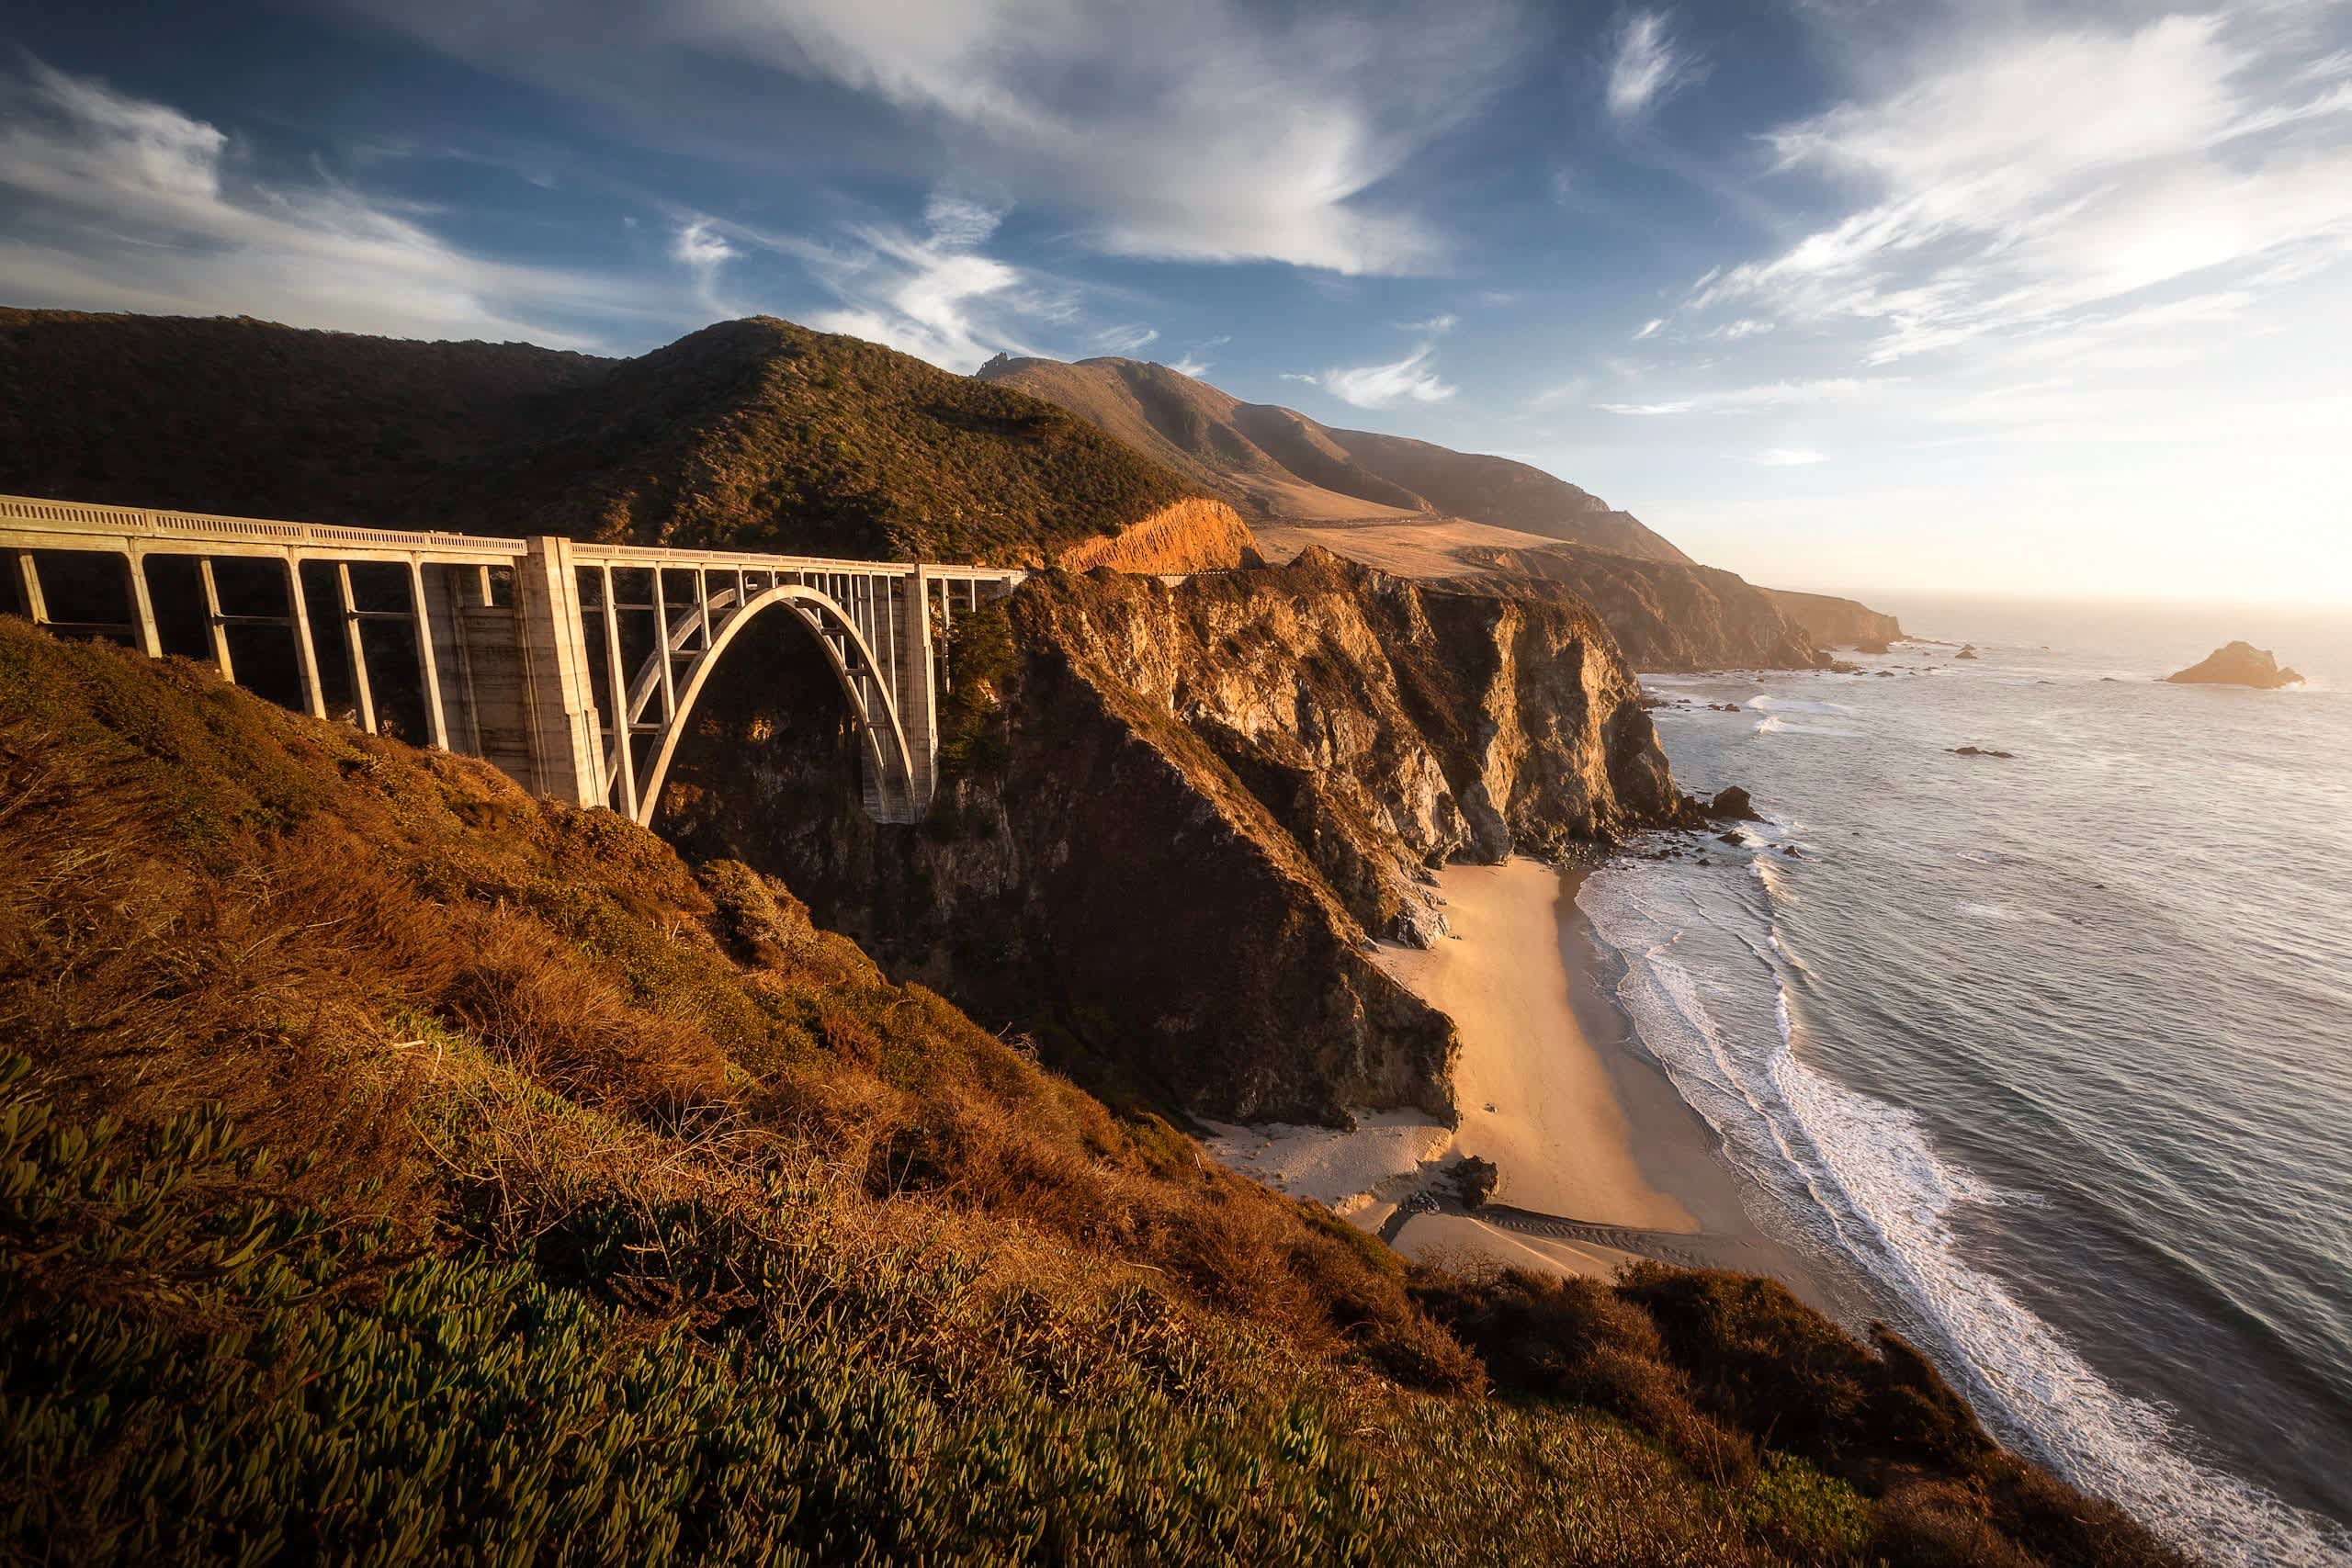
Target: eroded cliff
{"x":1196,"y":534}
{"x":1832,"y":622}
{"x":1177,"y":816}
{"x":1668,"y":615}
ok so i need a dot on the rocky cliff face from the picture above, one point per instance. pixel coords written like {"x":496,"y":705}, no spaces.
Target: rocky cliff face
{"x":1830,"y":622}
{"x":1179,"y":815}
{"x":1193,"y":534}
{"x":1668,"y":614}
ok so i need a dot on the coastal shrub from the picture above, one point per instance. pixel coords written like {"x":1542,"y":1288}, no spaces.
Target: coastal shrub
{"x":1764,"y":1363}
{"x":193,"y":1375}
{"x":1578,"y":1339}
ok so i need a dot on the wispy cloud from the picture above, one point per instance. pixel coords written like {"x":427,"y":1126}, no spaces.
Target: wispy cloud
{"x":1787,"y":456}
{"x":1766,"y":395}
{"x":1220,"y":130}
{"x":1650,"y":328}
{"x":1190,"y":362}
{"x":928,"y":295}
{"x":703,"y":251}
{"x":1444,"y":322}
{"x":1647,"y":67}
{"x":1410,"y":379}
{"x":1126,"y":339}
{"x":128,"y":203}
{"x":2003,"y":197}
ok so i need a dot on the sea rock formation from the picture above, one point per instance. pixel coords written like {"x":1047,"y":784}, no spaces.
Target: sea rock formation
{"x":1732,"y":803}
{"x":1177,"y":817}
{"x":2238,"y":664}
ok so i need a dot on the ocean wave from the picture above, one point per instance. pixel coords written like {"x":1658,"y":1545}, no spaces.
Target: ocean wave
{"x":1774,"y":724}
{"x":1859,"y":1176}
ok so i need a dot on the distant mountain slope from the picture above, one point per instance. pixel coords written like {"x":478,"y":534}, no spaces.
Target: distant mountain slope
{"x":1832,"y":622}
{"x":753,"y":432}
{"x":1668,"y":614}
{"x":1275,"y":463}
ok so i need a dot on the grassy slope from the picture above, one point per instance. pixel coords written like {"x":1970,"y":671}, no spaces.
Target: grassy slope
{"x":755,"y":432}
{"x":392,"y":1163}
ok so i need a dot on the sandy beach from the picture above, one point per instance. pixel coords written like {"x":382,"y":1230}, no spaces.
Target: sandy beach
{"x":1598,"y":1159}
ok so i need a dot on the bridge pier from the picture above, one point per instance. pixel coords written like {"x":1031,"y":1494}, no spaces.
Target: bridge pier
{"x":558,"y":709}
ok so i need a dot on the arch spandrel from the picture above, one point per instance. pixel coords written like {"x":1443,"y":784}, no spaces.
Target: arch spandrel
{"x":888,"y":759}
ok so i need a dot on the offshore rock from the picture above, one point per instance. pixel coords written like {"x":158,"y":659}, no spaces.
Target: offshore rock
{"x":1735,"y":804}
{"x":2239,"y":664}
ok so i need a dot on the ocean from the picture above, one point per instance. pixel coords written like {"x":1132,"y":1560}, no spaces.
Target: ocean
{"x":2051,"y":1054}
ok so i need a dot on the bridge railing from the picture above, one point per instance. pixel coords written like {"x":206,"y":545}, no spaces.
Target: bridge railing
{"x":33,"y":514}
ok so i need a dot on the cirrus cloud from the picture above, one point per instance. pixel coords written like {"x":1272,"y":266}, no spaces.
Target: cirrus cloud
{"x":1409,"y":380}
{"x":124,"y":202}
{"x":1219,"y":130}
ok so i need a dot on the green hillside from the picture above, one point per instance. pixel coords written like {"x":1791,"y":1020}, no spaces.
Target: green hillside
{"x":755,"y":433}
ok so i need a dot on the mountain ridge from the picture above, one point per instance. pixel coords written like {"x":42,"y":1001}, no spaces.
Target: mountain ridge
{"x":1274,"y":462}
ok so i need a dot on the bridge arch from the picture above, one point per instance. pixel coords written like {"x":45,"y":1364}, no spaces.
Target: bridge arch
{"x":887,"y":759}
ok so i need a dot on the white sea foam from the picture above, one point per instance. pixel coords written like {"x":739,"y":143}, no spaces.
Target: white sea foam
{"x":1773,"y":724}
{"x":1860,"y":1174}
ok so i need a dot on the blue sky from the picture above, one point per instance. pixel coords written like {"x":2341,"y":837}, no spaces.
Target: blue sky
{"x":1838,"y":293}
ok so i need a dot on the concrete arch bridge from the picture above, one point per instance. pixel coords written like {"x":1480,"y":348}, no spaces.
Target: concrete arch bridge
{"x":573,"y":667}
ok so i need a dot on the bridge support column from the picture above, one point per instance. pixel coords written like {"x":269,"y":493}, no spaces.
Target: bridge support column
{"x":213,"y":620}
{"x":566,"y":745}
{"x":428,"y":663}
{"x":29,"y":587}
{"x":914,"y":687}
{"x":306,"y":652}
{"x":142,"y":607}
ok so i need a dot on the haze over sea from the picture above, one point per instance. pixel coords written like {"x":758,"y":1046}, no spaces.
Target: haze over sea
{"x":2051,"y":1051}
